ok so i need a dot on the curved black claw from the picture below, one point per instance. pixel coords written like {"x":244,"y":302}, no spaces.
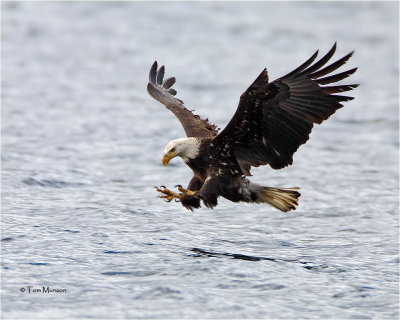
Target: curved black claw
{"x":178,"y":186}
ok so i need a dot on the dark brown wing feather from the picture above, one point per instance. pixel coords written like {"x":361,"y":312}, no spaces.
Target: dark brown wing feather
{"x":274,"y":119}
{"x":193,"y":125}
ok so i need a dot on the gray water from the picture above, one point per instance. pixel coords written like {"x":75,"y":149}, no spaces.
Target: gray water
{"x":81,"y":151}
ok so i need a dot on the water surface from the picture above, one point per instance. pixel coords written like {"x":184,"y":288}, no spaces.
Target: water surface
{"x":82,"y":145}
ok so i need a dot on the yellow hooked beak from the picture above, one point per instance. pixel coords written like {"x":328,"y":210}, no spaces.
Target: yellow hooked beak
{"x":167,"y":157}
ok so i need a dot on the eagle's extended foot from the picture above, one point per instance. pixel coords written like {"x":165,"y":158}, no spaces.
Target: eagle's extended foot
{"x":185,"y":191}
{"x":168,"y":194}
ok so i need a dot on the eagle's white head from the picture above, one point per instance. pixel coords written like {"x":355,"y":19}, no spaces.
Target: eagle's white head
{"x":186,"y":148}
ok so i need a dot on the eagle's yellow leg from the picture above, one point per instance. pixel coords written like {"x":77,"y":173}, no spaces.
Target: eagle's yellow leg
{"x":170,"y":195}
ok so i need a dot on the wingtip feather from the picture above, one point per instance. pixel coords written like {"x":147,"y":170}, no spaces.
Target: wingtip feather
{"x":153,"y":72}
{"x":172,"y":91}
{"x":303,"y":66}
{"x":169,"y":83}
{"x":160,"y":74}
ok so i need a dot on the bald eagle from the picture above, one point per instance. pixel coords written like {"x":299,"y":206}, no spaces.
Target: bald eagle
{"x":272,"y":120}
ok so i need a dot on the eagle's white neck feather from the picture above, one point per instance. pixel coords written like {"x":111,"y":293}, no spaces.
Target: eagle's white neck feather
{"x":186,"y":148}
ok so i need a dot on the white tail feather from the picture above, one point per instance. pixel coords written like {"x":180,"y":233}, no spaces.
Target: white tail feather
{"x":284,"y":199}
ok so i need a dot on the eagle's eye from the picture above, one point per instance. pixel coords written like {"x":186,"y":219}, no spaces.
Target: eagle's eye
{"x":173,"y":150}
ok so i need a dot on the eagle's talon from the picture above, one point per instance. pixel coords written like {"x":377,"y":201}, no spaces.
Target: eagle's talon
{"x":178,"y":186}
{"x":186,"y":192}
{"x":168,"y":195}
{"x":167,"y":198}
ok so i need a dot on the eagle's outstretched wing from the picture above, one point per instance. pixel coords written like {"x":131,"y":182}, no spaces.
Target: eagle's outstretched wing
{"x":161,"y":90}
{"x":274,"y":119}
